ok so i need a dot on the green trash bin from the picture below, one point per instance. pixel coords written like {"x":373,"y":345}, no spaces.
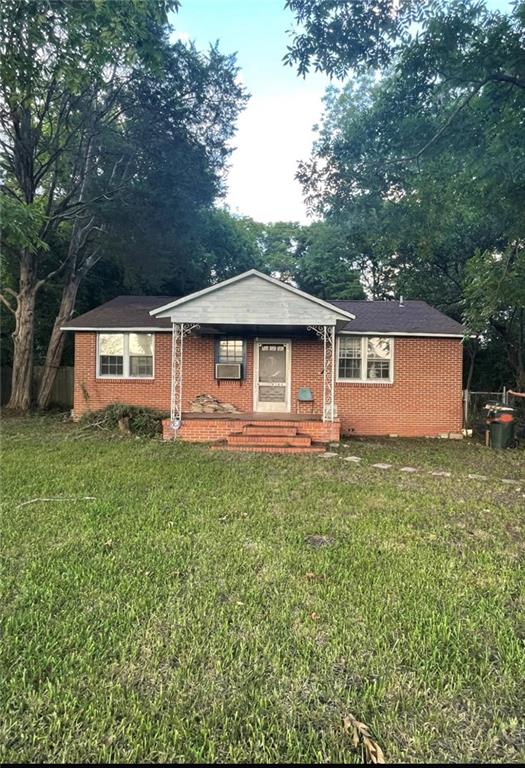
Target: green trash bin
{"x":501,"y":426}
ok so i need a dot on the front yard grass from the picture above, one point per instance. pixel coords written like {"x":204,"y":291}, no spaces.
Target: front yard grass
{"x":210,"y":606}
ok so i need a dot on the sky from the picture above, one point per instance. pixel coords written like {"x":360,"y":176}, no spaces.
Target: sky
{"x":275,"y":131}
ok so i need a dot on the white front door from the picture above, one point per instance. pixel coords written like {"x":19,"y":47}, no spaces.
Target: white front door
{"x":272,"y":375}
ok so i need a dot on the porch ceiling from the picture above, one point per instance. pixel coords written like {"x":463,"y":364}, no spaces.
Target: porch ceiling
{"x":255,"y":331}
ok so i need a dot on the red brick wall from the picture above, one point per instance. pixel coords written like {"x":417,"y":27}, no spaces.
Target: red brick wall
{"x":199,"y":375}
{"x":91,"y":394}
{"x":204,"y":430}
{"x":424,"y":399}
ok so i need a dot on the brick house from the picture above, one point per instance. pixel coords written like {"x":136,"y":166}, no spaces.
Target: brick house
{"x":280,"y":369}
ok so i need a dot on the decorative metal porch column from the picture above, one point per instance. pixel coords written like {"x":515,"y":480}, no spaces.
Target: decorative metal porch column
{"x":178,"y":332}
{"x":326,"y":333}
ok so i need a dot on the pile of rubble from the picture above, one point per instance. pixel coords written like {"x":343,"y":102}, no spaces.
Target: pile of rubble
{"x":208,"y":404}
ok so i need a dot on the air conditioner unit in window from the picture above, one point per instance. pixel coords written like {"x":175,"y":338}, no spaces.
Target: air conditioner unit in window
{"x":227,"y":370}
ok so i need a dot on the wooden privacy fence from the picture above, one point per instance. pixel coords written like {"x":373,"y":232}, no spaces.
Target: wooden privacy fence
{"x":61,"y":394}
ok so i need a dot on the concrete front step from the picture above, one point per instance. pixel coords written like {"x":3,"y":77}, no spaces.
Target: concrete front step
{"x":263,"y":448}
{"x":269,"y":429}
{"x":239,"y":438}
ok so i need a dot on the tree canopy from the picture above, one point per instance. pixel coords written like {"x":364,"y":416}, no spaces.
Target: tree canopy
{"x":421,"y":164}
{"x":115,"y":143}
{"x":113,"y":140}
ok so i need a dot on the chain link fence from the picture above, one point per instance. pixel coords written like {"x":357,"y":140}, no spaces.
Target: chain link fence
{"x":474,"y":414}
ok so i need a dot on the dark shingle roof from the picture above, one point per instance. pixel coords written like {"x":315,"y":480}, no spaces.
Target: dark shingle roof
{"x":124,"y":312}
{"x":370,"y":316}
{"x":391,"y":317}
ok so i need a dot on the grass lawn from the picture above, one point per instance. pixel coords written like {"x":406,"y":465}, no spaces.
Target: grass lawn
{"x":186,"y":614}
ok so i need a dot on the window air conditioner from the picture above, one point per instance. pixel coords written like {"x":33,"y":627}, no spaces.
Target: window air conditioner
{"x":227,"y":370}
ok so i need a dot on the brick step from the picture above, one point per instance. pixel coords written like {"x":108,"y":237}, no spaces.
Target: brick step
{"x":240,"y":438}
{"x":262,"y":448}
{"x":269,"y":429}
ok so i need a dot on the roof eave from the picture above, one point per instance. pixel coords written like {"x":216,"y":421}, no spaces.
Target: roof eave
{"x":432,"y":334}
{"x":118,"y":328}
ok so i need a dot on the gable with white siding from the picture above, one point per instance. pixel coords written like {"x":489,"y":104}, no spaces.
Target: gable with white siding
{"x":253,"y":299}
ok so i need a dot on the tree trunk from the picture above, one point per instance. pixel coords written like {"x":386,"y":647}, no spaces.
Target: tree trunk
{"x":56,"y":341}
{"x":74,"y":276}
{"x":23,"y":334}
{"x":520,"y":377}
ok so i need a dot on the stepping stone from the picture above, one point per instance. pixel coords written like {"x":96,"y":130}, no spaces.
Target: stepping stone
{"x":382,"y":466}
{"x":327,"y":455}
{"x":478,"y":477}
{"x":333,"y":445}
{"x":353,"y":458}
{"x":510,"y":482}
{"x":441,"y":474}
{"x":408,"y":469}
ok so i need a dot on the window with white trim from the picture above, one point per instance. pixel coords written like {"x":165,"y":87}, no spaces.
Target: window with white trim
{"x":364,"y":358}
{"x":125,"y":355}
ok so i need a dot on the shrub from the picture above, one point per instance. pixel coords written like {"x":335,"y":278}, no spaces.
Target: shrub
{"x":145,"y":422}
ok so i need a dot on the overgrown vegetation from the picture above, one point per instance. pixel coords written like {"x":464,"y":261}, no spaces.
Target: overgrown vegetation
{"x":145,"y":422}
{"x":161,"y":602}
{"x":114,"y":145}
{"x":417,"y":176}
{"x":420,"y":159}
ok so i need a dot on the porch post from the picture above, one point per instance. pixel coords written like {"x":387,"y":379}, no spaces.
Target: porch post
{"x":175,"y":411}
{"x":325,"y":389}
{"x":331,"y":347}
{"x":327,"y":334}
{"x":178,"y":332}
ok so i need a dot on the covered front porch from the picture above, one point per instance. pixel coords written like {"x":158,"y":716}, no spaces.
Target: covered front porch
{"x":279,"y":343}
{"x":284,"y":402}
